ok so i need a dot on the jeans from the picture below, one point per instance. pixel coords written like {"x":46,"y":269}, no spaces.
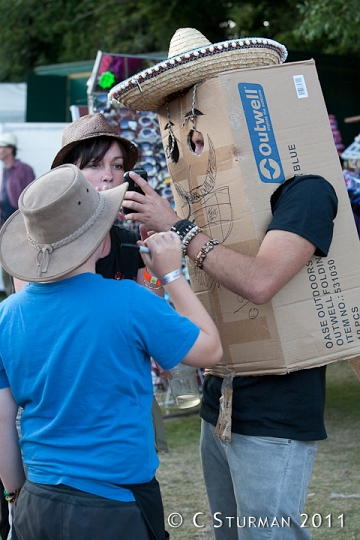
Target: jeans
{"x":256,"y":486}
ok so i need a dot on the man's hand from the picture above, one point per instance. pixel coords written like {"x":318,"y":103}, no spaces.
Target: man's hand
{"x":151,"y":209}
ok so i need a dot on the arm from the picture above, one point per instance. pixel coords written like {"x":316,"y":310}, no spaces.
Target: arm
{"x":140,"y":275}
{"x":281,"y":255}
{"x":11,"y":467}
{"x":165,"y":257}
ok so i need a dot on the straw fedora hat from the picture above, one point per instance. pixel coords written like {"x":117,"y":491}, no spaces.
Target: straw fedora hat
{"x":192,"y":59}
{"x":89,"y":127}
{"x":60,"y":223}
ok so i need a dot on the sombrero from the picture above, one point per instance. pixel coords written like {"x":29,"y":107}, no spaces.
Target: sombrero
{"x":192,"y":59}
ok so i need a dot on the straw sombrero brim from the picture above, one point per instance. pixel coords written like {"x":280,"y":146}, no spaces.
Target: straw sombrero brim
{"x":151,"y":88}
{"x":130,"y":149}
{"x":18,"y":256}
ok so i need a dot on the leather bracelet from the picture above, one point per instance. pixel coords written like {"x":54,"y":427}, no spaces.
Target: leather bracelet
{"x":12,"y":497}
{"x":151,"y":279}
{"x":188,"y":237}
{"x":200,"y":257}
{"x":182,"y":227}
{"x":171,"y":276}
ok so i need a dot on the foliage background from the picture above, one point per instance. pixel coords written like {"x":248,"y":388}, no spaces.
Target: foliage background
{"x":44,"y":32}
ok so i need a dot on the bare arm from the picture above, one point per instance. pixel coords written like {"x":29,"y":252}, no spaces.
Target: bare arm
{"x":280,"y":257}
{"x":165,"y":257}
{"x":11,"y":467}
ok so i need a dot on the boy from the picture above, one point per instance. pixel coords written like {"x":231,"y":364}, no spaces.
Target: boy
{"x":81,"y":369}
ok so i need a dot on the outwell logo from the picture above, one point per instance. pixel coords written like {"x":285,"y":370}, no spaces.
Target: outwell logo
{"x":261,"y":133}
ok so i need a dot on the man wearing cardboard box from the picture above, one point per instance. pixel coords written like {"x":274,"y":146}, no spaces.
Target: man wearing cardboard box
{"x":259,"y":433}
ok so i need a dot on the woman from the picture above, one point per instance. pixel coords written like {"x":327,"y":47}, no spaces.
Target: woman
{"x":96,"y":147}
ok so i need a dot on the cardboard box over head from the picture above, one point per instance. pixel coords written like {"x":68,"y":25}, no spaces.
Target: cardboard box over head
{"x":262,"y":126}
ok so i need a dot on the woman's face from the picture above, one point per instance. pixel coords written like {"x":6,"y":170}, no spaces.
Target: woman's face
{"x":107,"y":173}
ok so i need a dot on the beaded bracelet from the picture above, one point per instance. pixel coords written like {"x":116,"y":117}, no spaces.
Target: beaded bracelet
{"x":151,"y":280}
{"x":188,"y":237}
{"x":171,"y":276}
{"x":12,"y":497}
{"x":182,"y":227}
{"x":200,"y":257}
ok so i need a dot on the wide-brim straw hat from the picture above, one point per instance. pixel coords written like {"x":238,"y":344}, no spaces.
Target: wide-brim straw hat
{"x":61,"y":222}
{"x":91,"y":126}
{"x":192,"y":59}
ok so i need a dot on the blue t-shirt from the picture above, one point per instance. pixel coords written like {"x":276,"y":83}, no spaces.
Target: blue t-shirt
{"x":76,"y":354}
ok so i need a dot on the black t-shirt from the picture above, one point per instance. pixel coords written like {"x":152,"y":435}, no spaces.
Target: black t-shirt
{"x":120,"y":263}
{"x":287,"y":406}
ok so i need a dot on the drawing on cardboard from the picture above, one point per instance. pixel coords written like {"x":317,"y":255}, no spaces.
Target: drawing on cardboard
{"x":209,"y":207}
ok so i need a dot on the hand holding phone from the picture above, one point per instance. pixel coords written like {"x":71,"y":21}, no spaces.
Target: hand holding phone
{"x":133,"y":185}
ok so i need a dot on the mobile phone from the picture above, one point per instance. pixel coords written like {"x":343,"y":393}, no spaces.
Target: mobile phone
{"x":133,"y":185}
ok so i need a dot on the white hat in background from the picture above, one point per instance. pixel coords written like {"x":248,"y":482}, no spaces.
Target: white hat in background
{"x":8,"y":139}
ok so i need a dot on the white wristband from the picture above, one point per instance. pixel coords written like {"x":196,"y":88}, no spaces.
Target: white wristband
{"x":171,"y":276}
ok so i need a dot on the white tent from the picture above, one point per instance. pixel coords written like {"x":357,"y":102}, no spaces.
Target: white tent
{"x":38,"y":144}
{"x":13,"y":102}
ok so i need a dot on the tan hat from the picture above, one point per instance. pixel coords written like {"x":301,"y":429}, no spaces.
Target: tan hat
{"x":91,"y":126}
{"x":8,"y":139}
{"x":60,"y":223}
{"x":192,"y":59}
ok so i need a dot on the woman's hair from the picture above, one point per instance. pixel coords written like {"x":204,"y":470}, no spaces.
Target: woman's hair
{"x":92,"y":150}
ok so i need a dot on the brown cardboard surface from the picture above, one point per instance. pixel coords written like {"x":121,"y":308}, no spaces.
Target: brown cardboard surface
{"x":355,"y":364}
{"x":315,"y":318}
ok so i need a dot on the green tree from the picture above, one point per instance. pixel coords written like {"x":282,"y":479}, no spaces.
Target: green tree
{"x":332,"y":25}
{"x":43,"y":32}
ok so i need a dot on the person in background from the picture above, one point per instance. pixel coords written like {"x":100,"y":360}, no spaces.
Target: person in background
{"x":16,"y":176}
{"x":80,"y":359}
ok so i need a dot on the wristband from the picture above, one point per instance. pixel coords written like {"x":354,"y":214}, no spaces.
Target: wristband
{"x":12,"y":497}
{"x":152,"y":280}
{"x":188,"y":237}
{"x":151,"y":287}
{"x":182,"y":227}
{"x":171,"y":276}
{"x":200,"y":257}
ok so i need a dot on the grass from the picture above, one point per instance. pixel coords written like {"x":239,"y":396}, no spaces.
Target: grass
{"x":334,"y":484}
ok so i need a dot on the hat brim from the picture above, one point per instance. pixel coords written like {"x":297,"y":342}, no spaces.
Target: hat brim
{"x":130,"y":149}
{"x":19,"y":257}
{"x":152,"y":88}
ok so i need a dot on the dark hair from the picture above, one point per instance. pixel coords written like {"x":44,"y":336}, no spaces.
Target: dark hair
{"x":93,"y":150}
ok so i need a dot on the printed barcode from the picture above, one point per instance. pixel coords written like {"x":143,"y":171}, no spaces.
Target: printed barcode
{"x":300,"y":86}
